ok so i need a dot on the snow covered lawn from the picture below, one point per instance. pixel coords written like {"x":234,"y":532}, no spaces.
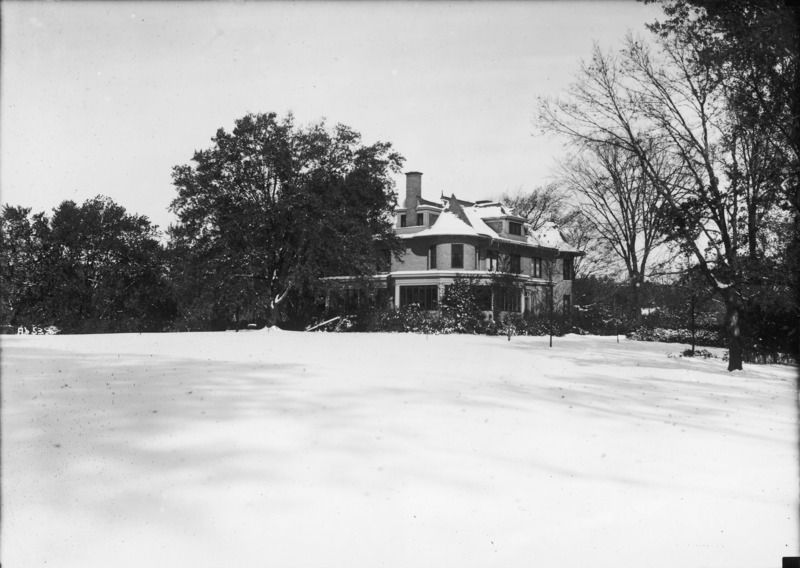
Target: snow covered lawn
{"x":310,"y":449}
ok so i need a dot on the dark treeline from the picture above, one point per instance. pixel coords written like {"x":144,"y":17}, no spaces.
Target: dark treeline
{"x":90,"y":268}
{"x":264,"y":215}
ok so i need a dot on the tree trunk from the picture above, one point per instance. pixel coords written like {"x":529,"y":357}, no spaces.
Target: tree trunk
{"x":732,"y":328}
{"x":272,"y":316}
{"x":636,"y":308}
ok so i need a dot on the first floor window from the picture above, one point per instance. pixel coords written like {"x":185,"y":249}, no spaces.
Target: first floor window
{"x":483,"y":297}
{"x":537,"y":267}
{"x":457,"y":256}
{"x":426,"y":297}
{"x":509,"y":300}
{"x":567,"y":303}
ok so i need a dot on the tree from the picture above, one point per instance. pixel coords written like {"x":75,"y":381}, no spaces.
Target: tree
{"x":672,"y":104}
{"x":754,"y":45}
{"x":622,"y":206}
{"x":89,"y":268}
{"x":272,"y":208}
{"x":24,"y":267}
{"x":544,"y":203}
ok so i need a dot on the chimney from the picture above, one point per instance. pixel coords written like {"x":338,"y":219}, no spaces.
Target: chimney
{"x":413,"y":189}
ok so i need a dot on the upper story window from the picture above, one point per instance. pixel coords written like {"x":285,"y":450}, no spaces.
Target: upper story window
{"x":420,"y":219}
{"x":402,"y":220}
{"x":457,"y":256}
{"x":432,"y":257}
{"x":568,"y":270}
{"x":536,"y":267}
{"x":514,"y":228}
{"x":516,"y":264}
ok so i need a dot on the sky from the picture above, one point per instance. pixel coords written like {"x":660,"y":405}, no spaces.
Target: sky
{"x":105,"y":98}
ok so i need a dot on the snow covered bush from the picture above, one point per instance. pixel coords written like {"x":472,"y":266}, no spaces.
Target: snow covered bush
{"x":701,"y":336}
{"x":460,"y":312}
{"x":410,"y":318}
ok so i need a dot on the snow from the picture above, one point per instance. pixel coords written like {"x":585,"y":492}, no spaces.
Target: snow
{"x":549,"y":235}
{"x":312,"y":449}
{"x":447,"y":223}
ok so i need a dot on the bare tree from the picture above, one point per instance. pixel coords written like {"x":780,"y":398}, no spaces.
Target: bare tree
{"x":543,"y":203}
{"x":669,"y":104}
{"x":622,"y":206}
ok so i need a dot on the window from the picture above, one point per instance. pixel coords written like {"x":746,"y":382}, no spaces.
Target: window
{"x":402,"y":220}
{"x":348,"y":300}
{"x":509,"y":300}
{"x":483,"y":297}
{"x":516,"y":264}
{"x":514,"y":228}
{"x":432,"y":257}
{"x":491,"y":260}
{"x":567,"y":303}
{"x":457,"y":256}
{"x":420,"y":219}
{"x":568,"y":268}
{"x":537,"y":267}
{"x":426,"y":297}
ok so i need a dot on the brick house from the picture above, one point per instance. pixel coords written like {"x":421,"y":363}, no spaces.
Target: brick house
{"x":483,"y":241}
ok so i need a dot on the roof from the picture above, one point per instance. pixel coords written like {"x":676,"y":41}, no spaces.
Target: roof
{"x":465,"y":218}
{"x":550,"y":235}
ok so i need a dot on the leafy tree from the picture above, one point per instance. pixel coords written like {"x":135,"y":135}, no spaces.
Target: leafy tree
{"x":271,"y":208}
{"x":24,"y":267}
{"x":88,"y":268}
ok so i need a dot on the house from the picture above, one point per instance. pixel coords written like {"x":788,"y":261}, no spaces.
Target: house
{"x":512,"y":267}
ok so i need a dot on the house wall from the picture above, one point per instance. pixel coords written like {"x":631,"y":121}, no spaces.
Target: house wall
{"x":416,"y":254}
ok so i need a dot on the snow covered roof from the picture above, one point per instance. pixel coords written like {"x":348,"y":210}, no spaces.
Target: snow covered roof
{"x":465,"y":218}
{"x":448,"y":223}
{"x":549,"y":235}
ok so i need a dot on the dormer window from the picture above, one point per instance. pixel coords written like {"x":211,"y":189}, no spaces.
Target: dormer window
{"x":514,"y":228}
{"x":402,"y":220}
{"x":420,"y":219}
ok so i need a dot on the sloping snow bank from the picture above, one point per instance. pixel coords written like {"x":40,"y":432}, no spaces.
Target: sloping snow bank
{"x":312,"y":449}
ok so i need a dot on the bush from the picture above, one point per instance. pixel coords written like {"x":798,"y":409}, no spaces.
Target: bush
{"x":409,"y":318}
{"x":702,"y":336}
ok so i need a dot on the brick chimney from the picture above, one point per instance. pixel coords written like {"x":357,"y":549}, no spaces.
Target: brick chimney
{"x":413,"y":189}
